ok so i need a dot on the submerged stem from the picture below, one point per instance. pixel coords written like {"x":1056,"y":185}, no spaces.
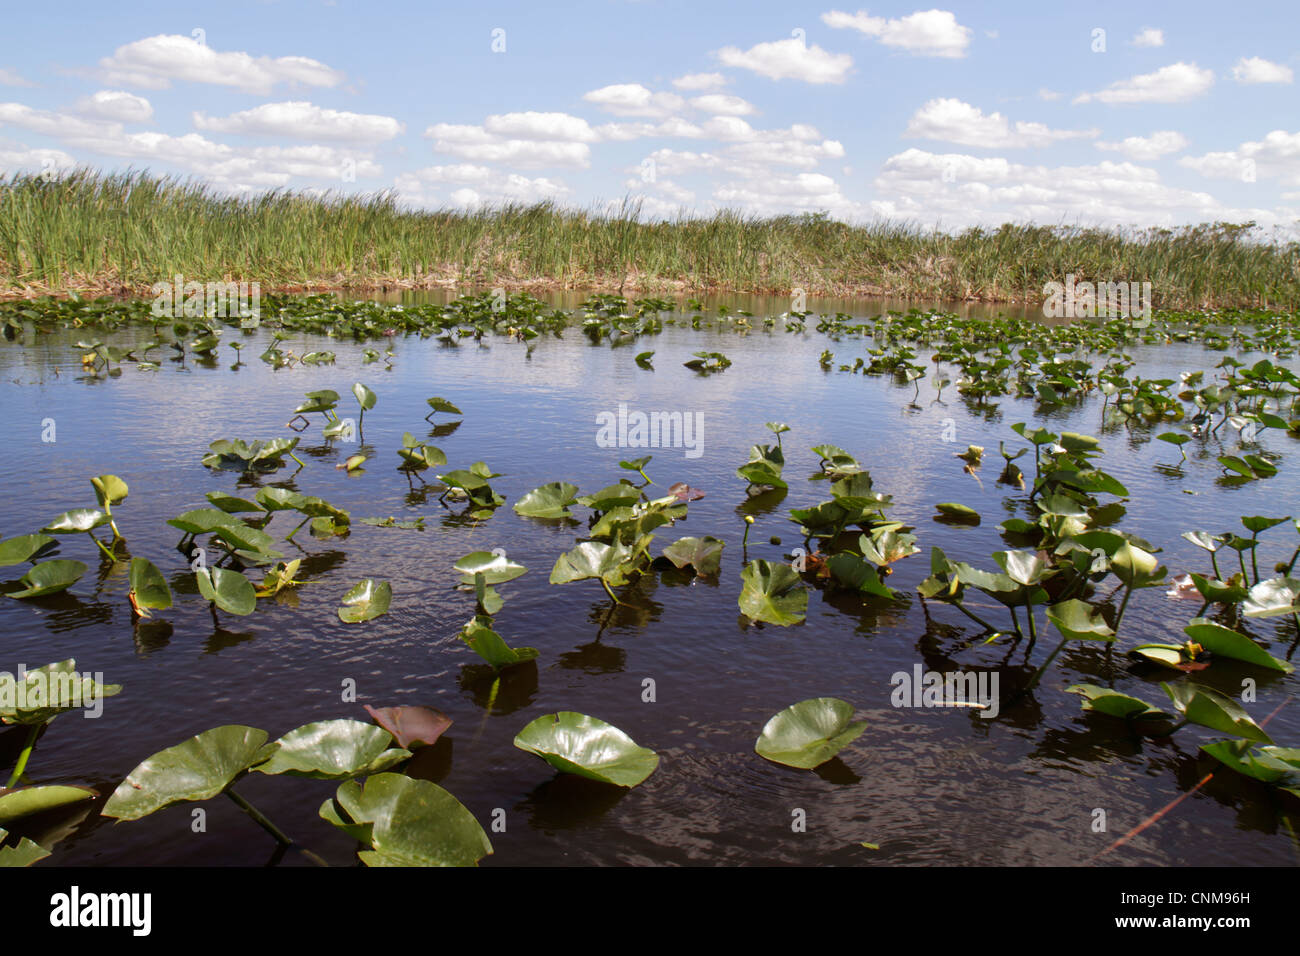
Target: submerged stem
{"x":23,"y":757}
{"x":258,"y":818}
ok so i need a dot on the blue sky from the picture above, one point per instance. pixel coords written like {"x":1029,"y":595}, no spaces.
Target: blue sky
{"x":964,"y":114}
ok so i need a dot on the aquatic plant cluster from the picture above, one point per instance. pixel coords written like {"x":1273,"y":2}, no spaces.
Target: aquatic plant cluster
{"x":1068,"y":557}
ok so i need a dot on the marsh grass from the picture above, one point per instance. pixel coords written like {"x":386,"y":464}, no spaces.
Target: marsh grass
{"x":122,"y":232}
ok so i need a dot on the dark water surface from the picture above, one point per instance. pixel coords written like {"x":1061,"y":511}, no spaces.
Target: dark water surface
{"x":928,"y":786}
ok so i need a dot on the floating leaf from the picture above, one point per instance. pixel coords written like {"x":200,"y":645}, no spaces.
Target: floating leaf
{"x":365,"y":601}
{"x":22,"y":548}
{"x":491,"y":646}
{"x":579,"y":744}
{"x":495,"y":567}
{"x":548,"y":501}
{"x":228,"y":590}
{"x":412,"y":726}
{"x":809,"y":733}
{"x":45,"y":692}
{"x":49,"y":577}
{"x":25,"y":801}
{"x":702,"y":554}
{"x":1209,"y":708}
{"x":196,"y":769}
{"x":771,"y":593}
{"x":1225,"y":642}
{"x":407,"y":822}
{"x":333,"y":750}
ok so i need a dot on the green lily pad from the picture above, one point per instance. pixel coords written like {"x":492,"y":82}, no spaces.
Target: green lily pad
{"x":109,"y":489}
{"x":407,"y":822}
{"x":1209,"y":708}
{"x":1225,"y":642}
{"x":333,"y":750}
{"x":809,"y":733}
{"x":548,"y":501}
{"x":365,"y":601}
{"x":439,"y":404}
{"x":228,"y":590}
{"x":24,"y":854}
{"x":578,"y":744}
{"x":1079,"y":621}
{"x":49,"y":577}
{"x":957,"y":512}
{"x":1104,"y":700}
{"x":771,"y":593}
{"x":45,"y":692}
{"x":149,"y":589}
{"x":25,"y":801}
{"x":22,"y":548}
{"x":495,"y":568}
{"x":366,"y":397}
{"x":77,"y":521}
{"x":491,"y":646}
{"x":196,"y":769}
{"x":702,"y":554}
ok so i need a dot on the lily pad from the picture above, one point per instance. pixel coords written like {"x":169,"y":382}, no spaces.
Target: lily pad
{"x":365,"y":601}
{"x":495,"y":567}
{"x":228,"y":590}
{"x":149,"y":589}
{"x":22,"y":548}
{"x":1225,"y":642}
{"x":49,"y":577}
{"x":407,"y":822}
{"x":197,"y":769}
{"x":491,"y":646}
{"x":809,"y":733}
{"x":548,"y":501}
{"x":578,"y":744}
{"x":411,"y":725}
{"x":25,"y":801}
{"x":702,"y":554}
{"x":771,"y":593}
{"x":333,"y":750}
{"x":45,"y":692}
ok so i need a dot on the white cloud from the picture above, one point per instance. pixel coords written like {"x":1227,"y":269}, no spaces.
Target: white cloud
{"x":1149,"y":36}
{"x":481,"y":146}
{"x":1050,"y":95}
{"x":724,"y":103}
{"x":541,"y":126}
{"x":11,"y":78}
{"x":633,"y":99}
{"x":16,"y":157}
{"x":1254,"y":69}
{"x":302,"y":120}
{"x":955,"y":121}
{"x":696,"y":82}
{"x":155,"y":62}
{"x":1151,"y":147}
{"x":774,"y":195}
{"x":1175,"y":83}
{"x":1276,"y":156}
{"x":790,"y":59}
{"x":477,"y":185}
{"x":926,"y":33}
{"x":117,"y":106}
{"x":955,"y":189}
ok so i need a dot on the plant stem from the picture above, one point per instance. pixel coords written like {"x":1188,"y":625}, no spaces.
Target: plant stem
{"x":23,"y":757}
{"x":1214,"y":563}
{"x":1029,"y":613}
{"x":1122,"y":605}
{"x":973,"y":616}
{"x":1038,"y":674}
{"x":258,"y":818}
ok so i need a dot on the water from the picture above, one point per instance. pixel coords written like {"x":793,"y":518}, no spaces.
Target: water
{"x":927,"y":785}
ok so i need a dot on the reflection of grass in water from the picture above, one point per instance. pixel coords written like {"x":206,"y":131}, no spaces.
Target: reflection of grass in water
{"x":156,"y":227}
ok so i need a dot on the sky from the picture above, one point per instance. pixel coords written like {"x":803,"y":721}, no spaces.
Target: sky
{"x":1105,"y":114}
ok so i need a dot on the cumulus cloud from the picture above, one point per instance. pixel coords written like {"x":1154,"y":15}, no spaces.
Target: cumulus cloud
{"x":1149,"y":36}
{"x":1151,"y":147}
{"x":1276,"y":156}
{"x":958,"y":189}
{"x":158,"y":61}
{"x":926,"y":33}
{"x":1175,"y":83}
{"x":116,"y":105}
{"x":633,"y":99}
{"x":470,"y":185}
{"x":699,"y":82}
{"x":302,"y":120}
{"x":955,"y":121}
{"x":477,"y":144}
{"x":541,"y":126}
{"x":1255,"y":69}
{"x":791,"y":59}
{"x":724,"y":103}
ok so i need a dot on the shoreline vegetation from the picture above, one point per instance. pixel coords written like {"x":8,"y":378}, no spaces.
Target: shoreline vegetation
{"x":118,"y":234}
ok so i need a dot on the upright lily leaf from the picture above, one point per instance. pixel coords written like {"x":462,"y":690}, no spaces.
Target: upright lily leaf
{"x":1209,"y":708}
{"x":366,"y":397}
{"x":1272,"y":598}
{"x":495,"y":568}
{"x":702,"y":554}
{"x":45,"y":692}
{"x":22,"y":548}
{"x":228,"y":590}
{"x":333,"y":750}
{"x":771,"y":593}
{"x":579,"y":744}
{"x":149,"y":589}
{"x":809,"y":733}
{"x":407,"y":822}
{"x":24,"y":801}
{"x":77,"y":521}
{"x":1225,"y":642}
{"x":365,"y":601}
{"x":548,"y":501}
{"x":1079,"y":621}
{"x":49,"y":577}
{"x":490,"y":645}
{"x":196,"y":769}
{"x":109,"y":489}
